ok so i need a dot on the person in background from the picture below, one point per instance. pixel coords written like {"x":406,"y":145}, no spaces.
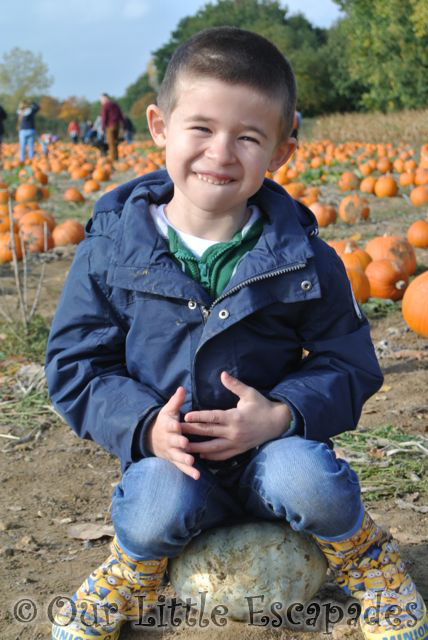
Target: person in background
{"x":111,"y":120}
{"x":45,"y":140}
{"x":26,"y":127}
{"x":87,"y":131}
{"x":73,"y":131}
{"x":3,"y":116}
{"x":129,"y":129}
{"x":98,"y":137}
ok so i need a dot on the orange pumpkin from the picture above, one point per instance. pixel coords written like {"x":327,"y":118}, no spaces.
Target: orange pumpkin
{"x":28,"y":193}
{"x":384,"y":165}
{"x":353,"y":257}
{"x":393,"y":248}
{"x":37,"y":217}
{"x":339,"y":245}
{"x":295,"y":189}
{"x":407,"y":179}
{"x":90,"y":186}
{"x":360,"y":283}
{"x":73,"y":195}
{"x":419,"y":196}
{"x":386,"y":187}
{"x":5,"y":224}
{"x":353,"y":209}
{"x":6,"y":247}
{"x":368,"y":185}
{"x":348,"y":181}
{"x":417,"y":234}
{"x":69,"y":232}
{"x":415,"y":305}
{"x":4,"y":196}
{"x":387,"y":278}
{"x":324,"y":213}
{"x":36,"y":239}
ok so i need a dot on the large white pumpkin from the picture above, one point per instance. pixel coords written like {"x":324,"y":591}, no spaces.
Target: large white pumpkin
{"x":244,"y":561}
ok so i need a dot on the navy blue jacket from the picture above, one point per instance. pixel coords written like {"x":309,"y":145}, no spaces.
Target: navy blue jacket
{"x":131,"y":326}
{"x":27,"y":119}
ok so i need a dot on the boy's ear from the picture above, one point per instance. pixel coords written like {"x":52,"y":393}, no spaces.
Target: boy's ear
{"x":157,"y":125}
{"x":282,"y":153}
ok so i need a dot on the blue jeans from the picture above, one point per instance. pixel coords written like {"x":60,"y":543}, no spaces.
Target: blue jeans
{"x":26,"y":136}
{"x":157,"y":509}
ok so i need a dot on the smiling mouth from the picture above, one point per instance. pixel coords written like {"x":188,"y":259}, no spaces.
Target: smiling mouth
{"x":211,"y":179}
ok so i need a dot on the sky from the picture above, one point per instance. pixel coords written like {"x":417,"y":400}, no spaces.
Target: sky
{"x":95,"y":46}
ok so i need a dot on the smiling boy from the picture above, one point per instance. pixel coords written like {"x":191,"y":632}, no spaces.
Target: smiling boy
{"x":179,"y":338}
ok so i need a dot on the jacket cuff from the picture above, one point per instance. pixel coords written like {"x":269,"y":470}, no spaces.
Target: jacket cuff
{"x":139,"y":448}
{"x":297,"y":424}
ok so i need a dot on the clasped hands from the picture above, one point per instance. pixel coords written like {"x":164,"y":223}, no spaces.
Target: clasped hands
{"x":253,"y":421}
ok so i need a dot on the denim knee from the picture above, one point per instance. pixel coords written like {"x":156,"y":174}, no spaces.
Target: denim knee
{"x":154,"y":509}
{"x":303,"y":481}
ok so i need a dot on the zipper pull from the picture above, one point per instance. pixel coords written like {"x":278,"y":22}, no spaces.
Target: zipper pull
{"x":205,"y":313}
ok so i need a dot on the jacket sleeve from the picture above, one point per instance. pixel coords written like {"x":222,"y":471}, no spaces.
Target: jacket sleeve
{"x":86,"y":369}
{"x":340,"y":372}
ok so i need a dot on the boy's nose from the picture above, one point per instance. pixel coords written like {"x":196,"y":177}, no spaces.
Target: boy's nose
{"x":221,"y":150}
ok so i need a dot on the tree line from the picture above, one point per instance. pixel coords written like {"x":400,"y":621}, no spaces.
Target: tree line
{"x":374,"y":58}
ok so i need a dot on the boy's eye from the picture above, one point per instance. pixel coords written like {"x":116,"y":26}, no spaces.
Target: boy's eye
{"x":200,"y":128}
{"x":249,"y":139}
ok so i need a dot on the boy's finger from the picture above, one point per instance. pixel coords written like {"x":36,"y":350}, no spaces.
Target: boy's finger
{"x":178,"y":455}
{"x":215,"y":416}
{"x":203,"y":429}
{"x":189,"y":471}
{"x":178,"y":442}
{"x":174,"y":403}
{"x":209,"y":446}
{"x":237,"y":387}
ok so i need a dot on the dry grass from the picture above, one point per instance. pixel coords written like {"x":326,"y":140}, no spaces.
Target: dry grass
{"x":405,"y":127}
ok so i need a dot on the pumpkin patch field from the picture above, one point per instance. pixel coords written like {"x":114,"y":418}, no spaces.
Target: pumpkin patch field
{"x":370,"y":199}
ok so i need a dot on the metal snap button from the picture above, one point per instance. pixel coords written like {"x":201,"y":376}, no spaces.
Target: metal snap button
{"x":306,"y":285}
{"x":223,"y":314}
{"x":192,"y":305}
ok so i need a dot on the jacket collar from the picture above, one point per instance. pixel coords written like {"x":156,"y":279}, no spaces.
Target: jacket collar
{"x":143,"y":262}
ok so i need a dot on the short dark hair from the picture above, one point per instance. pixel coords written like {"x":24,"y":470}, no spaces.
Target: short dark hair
{"x":235,"y":56}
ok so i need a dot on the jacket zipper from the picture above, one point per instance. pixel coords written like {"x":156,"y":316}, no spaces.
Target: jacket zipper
{"x":296,"y":267}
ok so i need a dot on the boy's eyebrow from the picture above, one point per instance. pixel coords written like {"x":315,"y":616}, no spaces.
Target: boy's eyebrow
{"x":249,"y":127}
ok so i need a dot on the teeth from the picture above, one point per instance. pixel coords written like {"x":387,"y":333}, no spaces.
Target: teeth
{"x":211,"y":180}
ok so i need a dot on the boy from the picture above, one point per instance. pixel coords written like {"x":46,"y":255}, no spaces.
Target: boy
{"x":178,"y":343}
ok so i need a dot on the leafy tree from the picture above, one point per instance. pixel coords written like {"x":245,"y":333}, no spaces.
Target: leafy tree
{"x":346,"y":93}
{"x":135,"y":91}
{"x":74,"y":109}
{"x":294,"y":36}
{"x":138,"y":111}
{"x":22,"y":74}
{"x":386,"y":51}
{"x":49,"y":107}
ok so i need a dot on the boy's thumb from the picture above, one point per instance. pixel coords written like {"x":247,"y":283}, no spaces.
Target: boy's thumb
{"x":176,"y":400}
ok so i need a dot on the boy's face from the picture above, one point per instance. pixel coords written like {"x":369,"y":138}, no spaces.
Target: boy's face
{"x":220,"y":139}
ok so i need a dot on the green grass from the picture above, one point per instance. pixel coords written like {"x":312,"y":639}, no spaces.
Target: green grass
{"x":381,"y":475}
{"x":28,"y":346}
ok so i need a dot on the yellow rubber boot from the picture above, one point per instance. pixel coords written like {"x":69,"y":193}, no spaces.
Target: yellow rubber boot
{"x":113,"y":594}
{"x":368,"y":567}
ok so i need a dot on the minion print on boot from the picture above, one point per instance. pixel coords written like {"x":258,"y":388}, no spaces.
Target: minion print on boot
{"x":368,"y":567}
{"x":109,"y":597}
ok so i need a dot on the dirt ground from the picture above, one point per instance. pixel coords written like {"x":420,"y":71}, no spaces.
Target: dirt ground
{"x":58,"y":480}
